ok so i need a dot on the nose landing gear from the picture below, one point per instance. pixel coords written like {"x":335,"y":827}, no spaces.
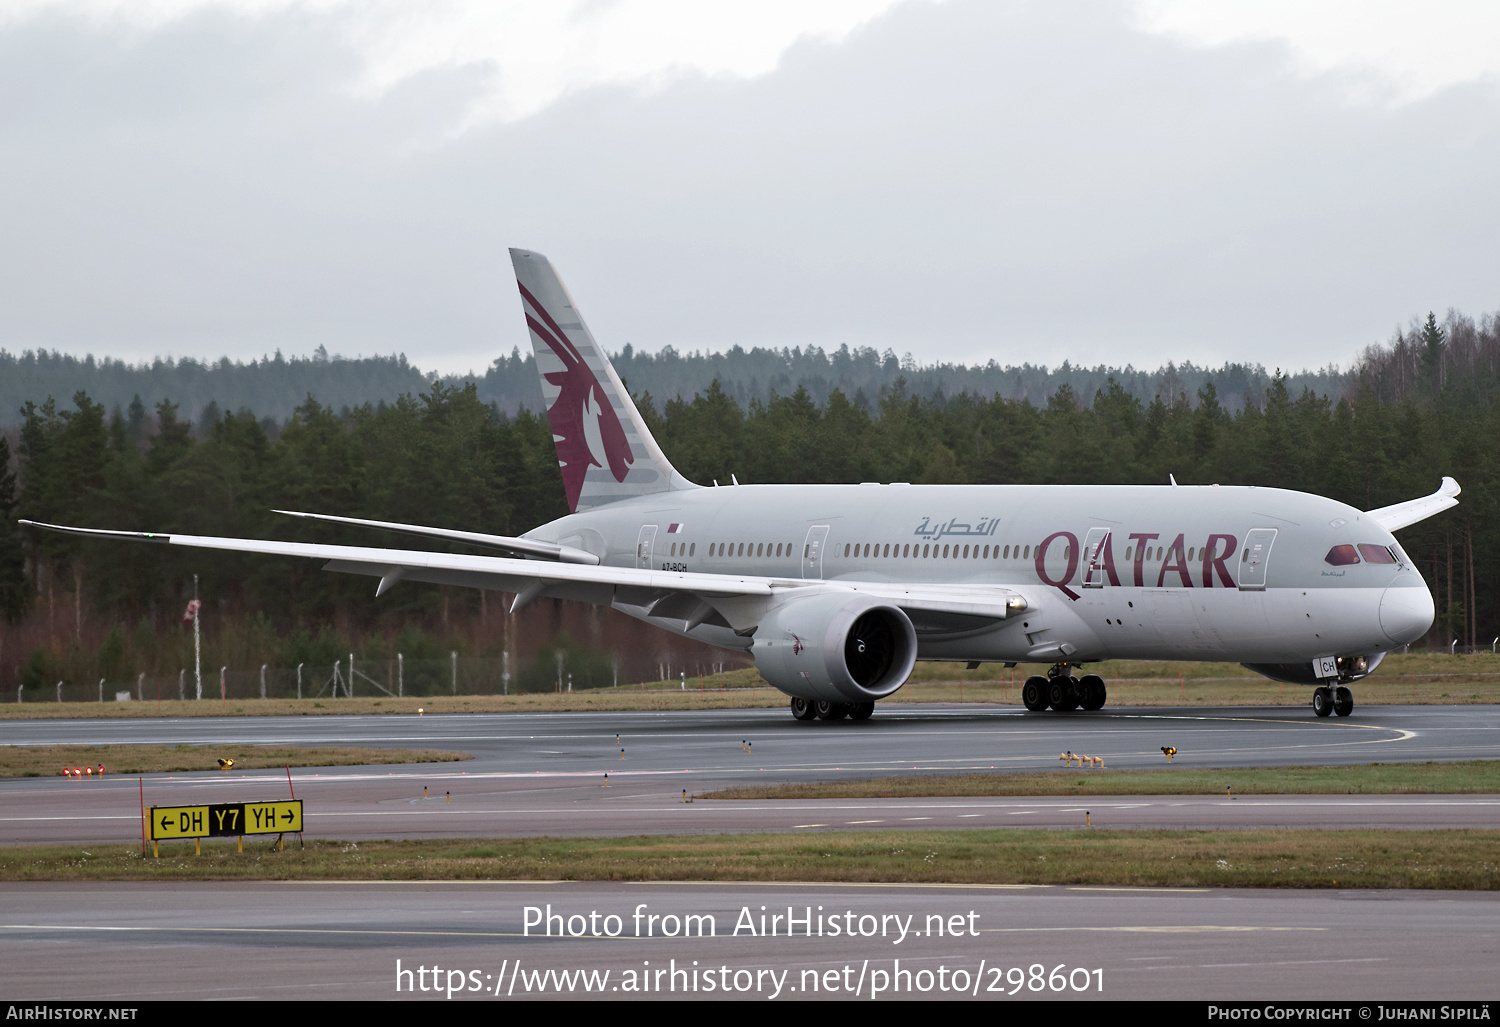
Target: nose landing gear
{"x":1332,"y":700}
{"x":1343,"y":701}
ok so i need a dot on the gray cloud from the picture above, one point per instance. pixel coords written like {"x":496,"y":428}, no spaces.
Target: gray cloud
{"x":964,"y":181}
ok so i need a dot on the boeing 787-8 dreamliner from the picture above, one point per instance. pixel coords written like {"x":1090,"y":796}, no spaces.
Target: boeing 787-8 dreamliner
{"x":837,"y":590}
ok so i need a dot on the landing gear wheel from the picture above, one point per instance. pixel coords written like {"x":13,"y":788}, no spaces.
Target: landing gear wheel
{"x":1034,"y":693}
{"x":1343,"y":701}
{"x":1322,"y":701}
{"x":1062,"y":694}
{"x":831,"y":710}
{"x":803,"y":709}
{"x":1094,"y":692}
{"x":861,"y":710}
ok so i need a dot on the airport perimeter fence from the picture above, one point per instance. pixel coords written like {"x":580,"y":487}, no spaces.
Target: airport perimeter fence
{"x":395,"y":677}
{"x":399,"y":677}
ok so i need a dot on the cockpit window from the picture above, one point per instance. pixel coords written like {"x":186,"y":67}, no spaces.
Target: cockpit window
{"x":1375,"y":554}
{"x":1341,"y":555}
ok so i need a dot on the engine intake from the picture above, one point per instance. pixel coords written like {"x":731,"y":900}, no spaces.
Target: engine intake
{"x":837,"y":646}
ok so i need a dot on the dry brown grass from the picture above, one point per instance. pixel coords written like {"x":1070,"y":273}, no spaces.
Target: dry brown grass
{"x":1240,"y":859}
{"x":1420,"y":678}
{"x":49,"y":760}
{"x":537,"y":702}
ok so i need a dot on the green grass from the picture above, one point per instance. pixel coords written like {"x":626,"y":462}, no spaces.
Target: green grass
{"x":49,"y":760}
{"x":1472,"y":777}
{"x":1460,"y":859}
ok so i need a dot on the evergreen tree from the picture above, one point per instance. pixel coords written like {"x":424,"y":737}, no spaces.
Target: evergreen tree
{"x":1434,"y":340}
{"x":13,"y":590}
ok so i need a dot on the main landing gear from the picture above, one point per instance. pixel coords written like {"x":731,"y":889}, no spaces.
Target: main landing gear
{"x":1060,"y":690}
{"x":1332,"y":700}
{"x":819,"y":709}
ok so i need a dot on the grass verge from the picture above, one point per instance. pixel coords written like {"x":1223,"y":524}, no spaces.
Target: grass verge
{"x":1475,"y":776}
{"x":1403,"y":679}
{"x":1457,"y":859}
{"x":49,"y":760}
{"x":605,"y":699}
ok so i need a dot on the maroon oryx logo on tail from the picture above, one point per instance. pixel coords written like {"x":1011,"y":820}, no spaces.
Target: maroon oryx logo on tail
{"x":584,"y":425}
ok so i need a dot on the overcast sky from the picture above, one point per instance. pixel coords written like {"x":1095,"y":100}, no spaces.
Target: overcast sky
{"x":1115,"y":182}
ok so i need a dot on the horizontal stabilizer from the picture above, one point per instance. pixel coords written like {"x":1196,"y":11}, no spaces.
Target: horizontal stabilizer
{"x":1400,"y":515}
{"x":531,"y":547}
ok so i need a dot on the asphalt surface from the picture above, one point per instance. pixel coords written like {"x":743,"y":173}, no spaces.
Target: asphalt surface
{"x":237,"y":942}
{"x":544,"y":774}
{"x":539,"y":774}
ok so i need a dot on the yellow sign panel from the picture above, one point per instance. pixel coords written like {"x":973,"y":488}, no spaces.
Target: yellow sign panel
{"x":226,"y":819}
{"x":273,"y":817}
{"x":179,"y":822}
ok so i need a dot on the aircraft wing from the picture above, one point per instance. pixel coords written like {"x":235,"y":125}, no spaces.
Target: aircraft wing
{"x":1401,"y":515}
{"x":600,"y":584}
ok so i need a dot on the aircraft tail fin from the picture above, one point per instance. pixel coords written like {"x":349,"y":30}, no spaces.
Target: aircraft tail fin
{"x":604,"y":448}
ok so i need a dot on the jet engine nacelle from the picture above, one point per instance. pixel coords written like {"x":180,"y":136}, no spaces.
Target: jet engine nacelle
{"x":838,"y":646}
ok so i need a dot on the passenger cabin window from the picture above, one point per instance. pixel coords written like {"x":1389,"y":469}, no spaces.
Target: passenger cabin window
{"x":1340,"y":556}
{"x":1375,"y":554}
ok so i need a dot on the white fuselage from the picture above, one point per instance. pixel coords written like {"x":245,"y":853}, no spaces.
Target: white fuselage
{"x":1150,"y":572}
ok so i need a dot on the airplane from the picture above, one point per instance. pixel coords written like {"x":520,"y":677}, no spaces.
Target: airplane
{"x":836,"y":591}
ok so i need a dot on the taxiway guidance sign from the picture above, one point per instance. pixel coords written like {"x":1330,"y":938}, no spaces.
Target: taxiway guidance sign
{"x":226,"y":819}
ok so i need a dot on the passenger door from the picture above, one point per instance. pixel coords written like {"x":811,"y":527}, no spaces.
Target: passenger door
{"x":812,"y":551}
{"x":1254,"y":557}
{"x":1094,"y":574}
{"x":644,"y":545}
